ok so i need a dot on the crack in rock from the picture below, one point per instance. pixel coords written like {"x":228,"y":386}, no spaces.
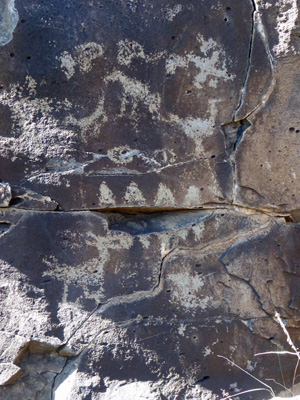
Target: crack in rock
{"x":35,"y":367}
{"x":232,"y":240}
{"x":157,"y":286}
{"x":245,"y":84}
{"x":145,"y":224}
{"x":101,"y":308}
{"x":68,"y":350}
{"x":233,"y":133}
{"x":52,"y":394}
{"x":257,"y":26}
{"x":248,"y":283}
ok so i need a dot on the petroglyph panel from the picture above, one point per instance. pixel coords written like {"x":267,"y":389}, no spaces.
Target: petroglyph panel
{"x":156,"y":294}
{"x":116,"y":106}
{"x":149,"y":208}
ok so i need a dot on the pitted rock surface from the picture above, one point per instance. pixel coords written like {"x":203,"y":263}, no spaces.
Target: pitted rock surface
{"x":149,"y":206}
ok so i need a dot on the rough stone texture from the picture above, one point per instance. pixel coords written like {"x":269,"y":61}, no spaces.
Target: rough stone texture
{"x":149,"y":207}
{"x":5,"y":195}
{"x":8,"y":373}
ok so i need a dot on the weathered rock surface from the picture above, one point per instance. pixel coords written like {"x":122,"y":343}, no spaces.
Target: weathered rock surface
{"x":8,"y":20}
{"x":152,"y":298}
{"x":149,"y":201}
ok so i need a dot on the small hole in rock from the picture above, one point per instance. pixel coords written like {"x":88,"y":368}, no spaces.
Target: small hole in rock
{"x":292,"y":129}
{"x":288,"y":219}
{"x":213,"y":156}
{"x":297,"y":131}
{"x":205,"y":378}
{"x":225,"y":19}
{"x":28,"y":57}
{"x":228,"y":8}
{"x":173,"y":37}
{"x":15,"y":201}
{"x":12,"y":55}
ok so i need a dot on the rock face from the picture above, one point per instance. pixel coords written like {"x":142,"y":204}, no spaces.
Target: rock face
{"x":149,"y":159}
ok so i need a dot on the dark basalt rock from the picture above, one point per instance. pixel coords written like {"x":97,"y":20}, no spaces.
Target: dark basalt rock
{"x":155,"y":307}
{"x":149,"y":216}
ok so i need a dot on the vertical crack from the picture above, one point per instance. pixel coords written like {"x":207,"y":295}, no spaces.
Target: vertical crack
{"x":52,"y":395}
{"x":245,"y":84}
{"x":129,"y":298}
{"x":157,"y":285}
{"x":248,"y":283}
{"x":234,"y":131}
{"x":89,"y":316}
{"x":257,"y":26}
{"x":261,"y":30}
{"x":233,"y":135}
